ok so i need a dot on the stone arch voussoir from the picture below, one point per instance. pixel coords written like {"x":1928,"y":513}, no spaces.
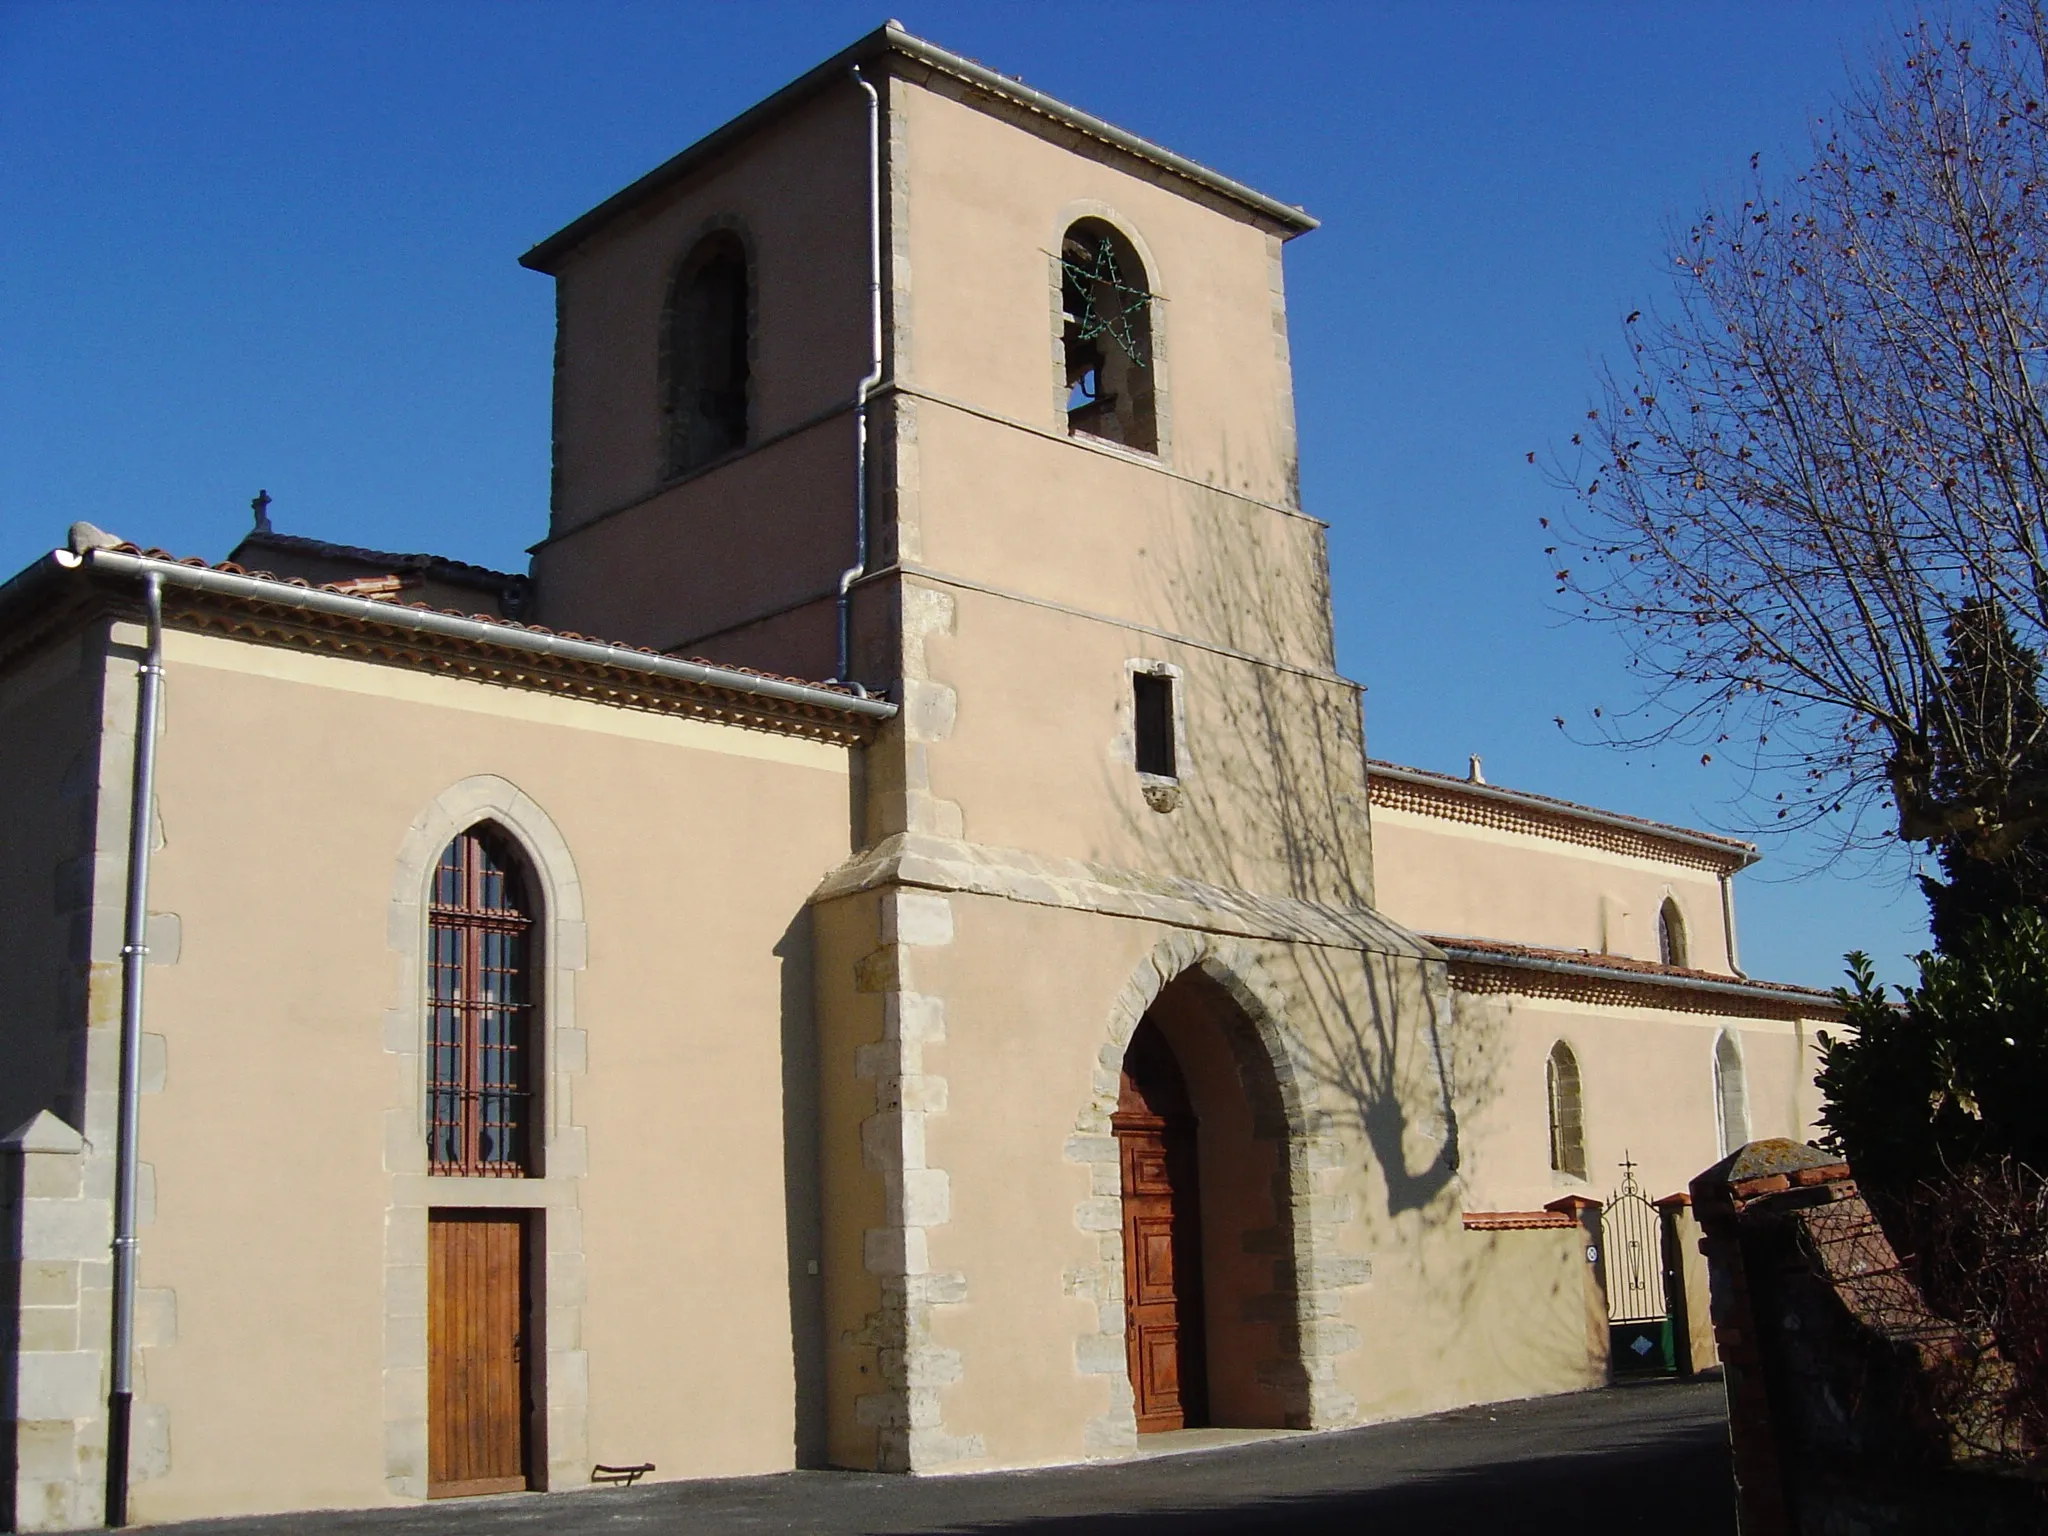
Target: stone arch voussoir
{"x":1308,"y":1383}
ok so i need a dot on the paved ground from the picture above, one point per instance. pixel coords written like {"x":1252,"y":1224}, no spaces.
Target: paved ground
{"x":1648,"y":1458}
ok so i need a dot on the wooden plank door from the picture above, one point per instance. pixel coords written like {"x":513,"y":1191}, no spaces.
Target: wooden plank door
{"x":1163,"y":1324}
{"x":477,"y":1318}
{"x":1151,"y":1301}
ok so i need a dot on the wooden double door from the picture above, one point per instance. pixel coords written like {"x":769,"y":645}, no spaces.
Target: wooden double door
{"x":1163,"y":1324}
{"x":479,"y":1369}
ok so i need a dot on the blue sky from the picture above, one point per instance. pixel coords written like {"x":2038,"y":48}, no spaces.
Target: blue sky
{"x":274,"y":245}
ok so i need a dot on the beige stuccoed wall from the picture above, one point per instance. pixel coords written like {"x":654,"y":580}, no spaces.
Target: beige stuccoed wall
{"x":281,"y":1149}
{"x":631,"y":560}
{"x":1038,"y":514}
{"x":1199,"y":538}
{"x":1449,"y":878}
{"x":1647,"y":1077}
{"x":1007,"y":1270}
{"x":986,"y":205}
{"x":1037,"y":753}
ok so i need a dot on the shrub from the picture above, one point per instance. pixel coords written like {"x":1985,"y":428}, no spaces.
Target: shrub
{"x":1955,"y":1074}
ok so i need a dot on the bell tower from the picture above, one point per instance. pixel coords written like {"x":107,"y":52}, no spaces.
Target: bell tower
{"x":1091,"y":589}
{"x":1090,"y":582}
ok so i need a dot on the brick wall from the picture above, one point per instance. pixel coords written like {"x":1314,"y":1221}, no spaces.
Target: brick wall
{"x":1852,"y":1406}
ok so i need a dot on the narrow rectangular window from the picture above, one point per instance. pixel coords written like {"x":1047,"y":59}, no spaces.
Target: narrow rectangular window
{"x":1152,"y":701}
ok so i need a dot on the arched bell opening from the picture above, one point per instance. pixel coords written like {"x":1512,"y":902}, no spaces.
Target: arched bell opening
{"x":1210,"y":1294}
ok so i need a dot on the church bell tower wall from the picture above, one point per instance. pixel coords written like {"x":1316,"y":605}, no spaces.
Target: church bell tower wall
{"x":730,"y":547}
{"x":1038,"y":564}
{"x":1003,"y":492}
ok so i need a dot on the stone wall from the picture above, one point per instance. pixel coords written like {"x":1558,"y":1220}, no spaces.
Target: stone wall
{"x":1853,"y":1408}
{"x":53,"y":1394}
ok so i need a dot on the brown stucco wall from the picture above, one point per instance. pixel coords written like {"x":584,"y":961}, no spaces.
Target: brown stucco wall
{"x":631,"y":560}
{"x":49,"y":740}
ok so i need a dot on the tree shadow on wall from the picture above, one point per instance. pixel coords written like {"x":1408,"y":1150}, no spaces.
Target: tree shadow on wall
{"x":1273,"y":801}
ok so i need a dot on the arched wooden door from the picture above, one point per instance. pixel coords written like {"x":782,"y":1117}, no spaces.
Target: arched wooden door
{"x":1163,"y":1328}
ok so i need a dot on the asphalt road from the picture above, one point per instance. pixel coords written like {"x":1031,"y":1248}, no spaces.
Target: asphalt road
{"x":1648,"y":1458}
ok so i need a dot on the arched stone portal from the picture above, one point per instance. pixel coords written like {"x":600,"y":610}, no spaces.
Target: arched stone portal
{"x":1269,"y":1271}
{"x":1237,"y":1279}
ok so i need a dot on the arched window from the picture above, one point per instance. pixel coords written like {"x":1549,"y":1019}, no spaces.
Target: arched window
{"x":1670,"y":934}
{"x":1731,"y":1094}
{"x":1567,"y":1113}
{"x":708,"y":353}
{"x":481,"y":1030}
{"x":1106,"y":329}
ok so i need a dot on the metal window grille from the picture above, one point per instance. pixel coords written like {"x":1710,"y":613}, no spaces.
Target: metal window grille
{"x":480,"y":1011}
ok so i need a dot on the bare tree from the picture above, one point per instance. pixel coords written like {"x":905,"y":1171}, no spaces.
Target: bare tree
{"x":1833,"y":443}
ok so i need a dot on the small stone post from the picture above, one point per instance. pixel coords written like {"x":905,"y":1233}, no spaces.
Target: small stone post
{"x":52,"y":1376}
{"x":1599,"y":1340}
{"x":1685,"y":1287}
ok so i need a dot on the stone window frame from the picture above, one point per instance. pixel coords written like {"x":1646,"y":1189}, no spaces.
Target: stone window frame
{"x":1071,"y":214}
{"x":553,"y":1197}
{"x":1560,"y":1161}
{"x":670,"y":473}
{"x":1161,"y":791}
{"x":1674,"y":944}
{"x":1731,"y":1040}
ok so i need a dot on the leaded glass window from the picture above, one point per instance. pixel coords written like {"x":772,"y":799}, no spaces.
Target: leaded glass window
{"x":480,"y":1013}
{"x":1567,"y":1113}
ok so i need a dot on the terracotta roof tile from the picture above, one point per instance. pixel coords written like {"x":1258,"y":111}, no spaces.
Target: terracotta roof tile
{"x":339,"y":588}
{"x":1621,"y":965}
{"x":461,"y":570}
{"x":1453,"y":783}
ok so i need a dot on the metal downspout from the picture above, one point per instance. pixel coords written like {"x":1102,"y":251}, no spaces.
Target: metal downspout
{"x":134,"y":957}
{"x":1728,"y":921}
{"x":873,"y":377}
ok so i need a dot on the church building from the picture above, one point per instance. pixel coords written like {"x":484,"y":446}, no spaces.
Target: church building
{"x":883,"y":949}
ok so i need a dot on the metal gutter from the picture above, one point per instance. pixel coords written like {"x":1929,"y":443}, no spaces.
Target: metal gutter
{"x":889,"y":39}
{"x":475,"y":631}
{"x":1744,"y":854}
{"x":1781,"y":996}
{"x":863,"y":389}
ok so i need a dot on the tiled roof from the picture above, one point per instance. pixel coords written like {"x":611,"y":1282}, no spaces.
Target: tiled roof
{"x":1570,"y":972}
{"x":1397,"y":786}
{"x":346,"y":588}
{"x":1622,"y":963}
{"x":461,"y":571}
